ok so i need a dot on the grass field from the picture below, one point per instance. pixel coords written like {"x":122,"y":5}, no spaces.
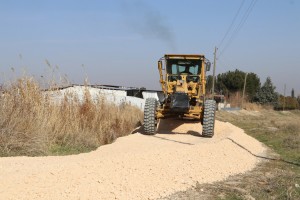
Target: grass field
{"x":279,"y":130}
{"x":32,"y":124}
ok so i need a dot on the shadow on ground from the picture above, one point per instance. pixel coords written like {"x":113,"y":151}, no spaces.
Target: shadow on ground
{"x":179,"y":126}
{"x":176,"y":126}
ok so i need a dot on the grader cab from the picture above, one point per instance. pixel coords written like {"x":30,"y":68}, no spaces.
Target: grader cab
{"x":183,"y":81}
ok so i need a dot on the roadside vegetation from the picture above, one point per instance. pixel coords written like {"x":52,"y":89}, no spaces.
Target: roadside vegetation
{"x":231,"y":85}
{"x":32,"y":124}
{"x":271,"y":179}
{"x":280,"y":131}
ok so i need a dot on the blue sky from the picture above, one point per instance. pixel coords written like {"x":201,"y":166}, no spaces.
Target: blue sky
{"x":119,"y":42}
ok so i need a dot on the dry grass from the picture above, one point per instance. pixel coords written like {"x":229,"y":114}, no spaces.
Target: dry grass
{"x":257,"y":107}
{"x":33,"y":124}
{"x":270,"y":179}
{"x":280,"y":130}
{"x":252,"y":106}
{"x":235,"y":99}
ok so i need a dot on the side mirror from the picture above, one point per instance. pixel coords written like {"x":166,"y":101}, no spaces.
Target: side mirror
{"x":208,"y":64}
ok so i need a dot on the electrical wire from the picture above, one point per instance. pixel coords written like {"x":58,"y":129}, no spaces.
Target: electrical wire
{"x":231,"y":25}
{"x":240,"y":25}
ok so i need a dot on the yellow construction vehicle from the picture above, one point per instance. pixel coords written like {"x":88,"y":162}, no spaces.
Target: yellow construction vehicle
{"x":183,"y":80}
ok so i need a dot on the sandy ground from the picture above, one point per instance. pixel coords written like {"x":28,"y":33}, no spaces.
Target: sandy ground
{"x":134,"y":167}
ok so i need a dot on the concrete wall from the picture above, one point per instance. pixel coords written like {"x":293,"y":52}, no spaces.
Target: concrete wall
{"x":115,"y":96}
{"x":119,"y":100}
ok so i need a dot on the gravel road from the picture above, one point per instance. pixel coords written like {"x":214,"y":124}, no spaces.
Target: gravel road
{"x":134,"y":167}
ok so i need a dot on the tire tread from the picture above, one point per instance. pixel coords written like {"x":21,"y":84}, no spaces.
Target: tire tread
{"x":150,"y":116}
{"x":209,"y":118}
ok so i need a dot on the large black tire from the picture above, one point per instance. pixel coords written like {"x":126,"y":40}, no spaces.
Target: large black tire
{"x":209,"y":118}
{"x":150,"y":116}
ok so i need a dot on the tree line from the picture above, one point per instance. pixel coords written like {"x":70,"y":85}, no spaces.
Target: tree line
{"x":232,"y":82}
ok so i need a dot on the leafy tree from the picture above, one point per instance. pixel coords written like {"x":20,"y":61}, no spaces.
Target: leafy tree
{"x":220,"y":86}
{"x":233,"y":81}
{"x":208,"y":87}
{"x":267,"y":94}
{"x":287,"y":103}
{"x":252,"y":85}
{"x":293,"y":93}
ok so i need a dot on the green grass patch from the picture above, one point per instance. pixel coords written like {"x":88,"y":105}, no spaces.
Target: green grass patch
{"x":281,"y":132}
{"x":56,"y":150}
{"x":278,"y":130}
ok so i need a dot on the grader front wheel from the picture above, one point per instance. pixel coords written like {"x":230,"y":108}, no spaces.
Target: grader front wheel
{"x":209,"y":118}
{"x":150,"y":116}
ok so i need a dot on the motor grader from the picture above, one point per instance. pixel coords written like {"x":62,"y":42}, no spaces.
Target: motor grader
{"x":183,"y":80}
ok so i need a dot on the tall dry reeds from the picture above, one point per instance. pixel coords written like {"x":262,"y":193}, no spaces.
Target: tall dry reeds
{"x":33,"y":124}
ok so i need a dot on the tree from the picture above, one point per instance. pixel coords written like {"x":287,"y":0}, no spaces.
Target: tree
{"x":252,"y":85}
{"x":293,"y":93}
{"x":287,"y":103}
{"x":233,"y":81}
{"x":230,"y":82}
{"x":208,"y":87}
{"x":267,"y":94}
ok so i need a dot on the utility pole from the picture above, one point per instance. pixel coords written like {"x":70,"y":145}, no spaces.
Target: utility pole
{"x":214,"y":72}
{"x":244,"y":89}
{"x":284,"y":97}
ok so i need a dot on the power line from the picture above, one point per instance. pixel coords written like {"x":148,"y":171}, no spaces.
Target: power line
{"x":233,"y":21}
{"x":240,"y":25}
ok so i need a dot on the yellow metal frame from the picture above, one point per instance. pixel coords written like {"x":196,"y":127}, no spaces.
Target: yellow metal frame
{"x":194,"y":90}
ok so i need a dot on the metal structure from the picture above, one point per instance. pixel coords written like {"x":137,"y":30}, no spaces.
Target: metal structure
{"x":183,"y":81}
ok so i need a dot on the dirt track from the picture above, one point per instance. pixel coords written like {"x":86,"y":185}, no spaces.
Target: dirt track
{"x":133,"y":167}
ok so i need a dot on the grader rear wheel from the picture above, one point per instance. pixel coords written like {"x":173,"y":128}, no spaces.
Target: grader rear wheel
{"x":209,"y":118}
{"x":150,"y":116}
